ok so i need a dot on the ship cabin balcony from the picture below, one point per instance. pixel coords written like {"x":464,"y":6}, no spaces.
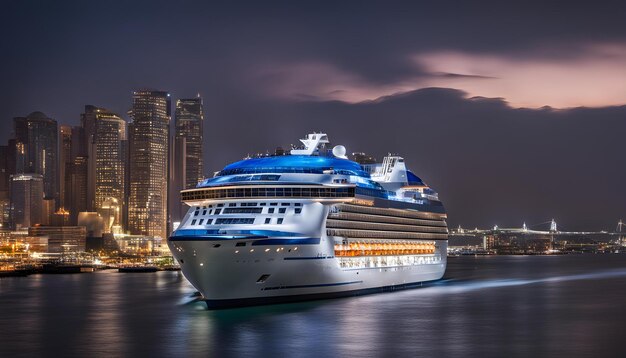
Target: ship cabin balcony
{"x":361,"y":248}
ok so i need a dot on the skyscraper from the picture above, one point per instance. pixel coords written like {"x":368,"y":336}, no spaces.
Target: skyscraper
{"x":26,"y":199}
{"x":187,"y":151}
{"x":65,"y":157}
{"x":149,"y":153}
{"x":5,"y":175}
{"x":37,"y":139}
{"x":189,"y":118}
{"x":106,"y":137}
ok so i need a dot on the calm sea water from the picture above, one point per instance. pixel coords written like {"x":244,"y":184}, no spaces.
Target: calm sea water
{"x":526,"y":306}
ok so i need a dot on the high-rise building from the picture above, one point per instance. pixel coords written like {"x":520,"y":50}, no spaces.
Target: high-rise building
{"x":65,"y":157}
{"x":74,"y":157}
{"x":187,"y":151}
{"x":27,"y":200}
{"x":36,"y":140}
{"x":5,"y":175}
{"x":106,"y":136}
{"x":189,"y":118}
{"x":148,"y":156}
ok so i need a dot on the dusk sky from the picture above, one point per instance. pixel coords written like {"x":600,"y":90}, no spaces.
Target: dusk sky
{"x":512,"y":111}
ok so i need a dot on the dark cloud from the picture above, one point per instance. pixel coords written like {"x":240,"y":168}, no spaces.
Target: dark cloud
{"x":491,"y":163}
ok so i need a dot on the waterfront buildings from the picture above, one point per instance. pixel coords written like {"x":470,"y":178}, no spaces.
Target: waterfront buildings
{"x":36,"y":142}
{"x":27,"y":199}
{"x":61,"y":239}
{"x":186,"y":169}
{"x":148,"y":156}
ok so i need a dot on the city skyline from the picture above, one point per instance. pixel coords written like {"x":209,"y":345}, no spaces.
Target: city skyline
{"x":468,"y":88}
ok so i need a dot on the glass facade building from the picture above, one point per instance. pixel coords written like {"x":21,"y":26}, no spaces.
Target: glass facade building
{"x":186,"y":168}
{"x":26,"y":200}
{"x":148,"y":156}
{"x":107,"y":163}
{"x":189,"y":118}
{"x":37,"y":149}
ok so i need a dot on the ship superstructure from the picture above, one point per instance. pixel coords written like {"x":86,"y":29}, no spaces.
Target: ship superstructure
{"x":311,"y":224}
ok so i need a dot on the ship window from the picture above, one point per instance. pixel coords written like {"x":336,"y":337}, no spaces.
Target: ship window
{"x":232,"y":204}
{"x":217,"y":245}
{"x":240,"y":244}
{"x":298,"y":204}
{"x":243,"y":210}
{"x":280,"y":221}
{"x":298,"y":210}
{"x":285,"y":204}
{"x":203,"y":212}
{"x":218,"y":211}
{"x":220,"y":205}
{"x":210,"y":206}
{"x":210,"y":211}
{"x":268,"y":220}
{"x":263,"y":278}
{"x":282,"y":210}
{"x":201,"y":221}
{"x":273,"y":204}
{"x":263,"y":204}
{"x":270,"y":211}
{"x":234,"y":221}
{"x":193,"y":222}
{"x":196,"y":213}
{"x":204,"y":207}
{"x":208,"y":222}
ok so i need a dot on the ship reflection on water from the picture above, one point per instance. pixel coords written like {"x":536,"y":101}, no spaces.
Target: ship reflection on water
{"x":487,"y":306}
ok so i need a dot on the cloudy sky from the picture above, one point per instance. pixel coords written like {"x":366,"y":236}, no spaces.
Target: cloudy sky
{"x":513,"y":112}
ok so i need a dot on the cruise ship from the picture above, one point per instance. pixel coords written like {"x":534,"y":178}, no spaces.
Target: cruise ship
{"x":309,"y":224}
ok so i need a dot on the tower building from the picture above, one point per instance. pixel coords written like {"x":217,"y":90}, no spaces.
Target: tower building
{"x":37,"y":152}
{"x":187,"y":151}
{"x":148,"y":155}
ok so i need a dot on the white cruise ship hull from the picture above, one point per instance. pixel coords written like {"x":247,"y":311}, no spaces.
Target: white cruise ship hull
{"x":271,"y":271}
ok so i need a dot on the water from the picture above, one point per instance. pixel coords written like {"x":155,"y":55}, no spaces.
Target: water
{"x":486,"y":306}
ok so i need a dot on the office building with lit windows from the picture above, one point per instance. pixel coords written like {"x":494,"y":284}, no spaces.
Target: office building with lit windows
{"x":148,"y":163}
{"x":106,"y":134}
